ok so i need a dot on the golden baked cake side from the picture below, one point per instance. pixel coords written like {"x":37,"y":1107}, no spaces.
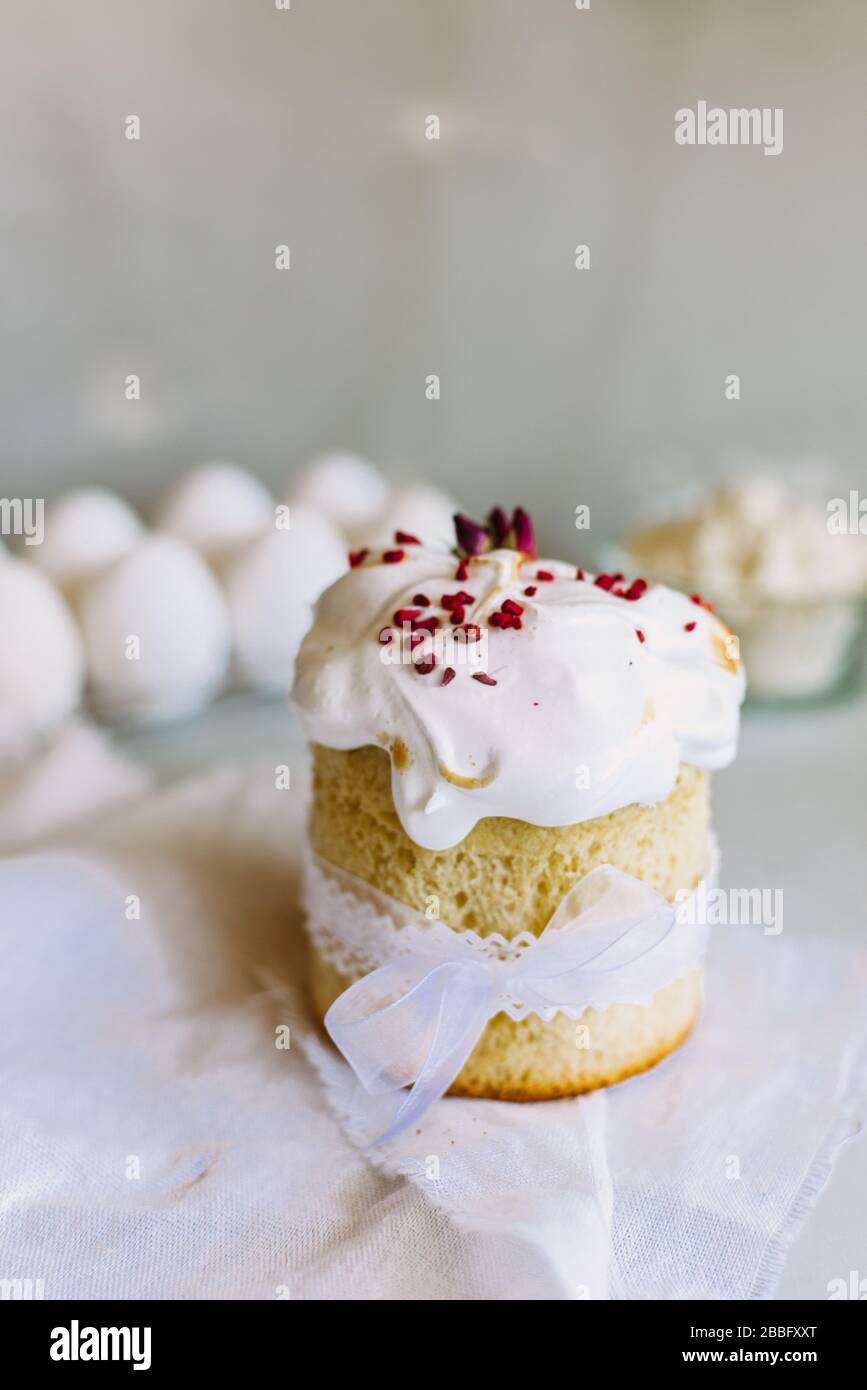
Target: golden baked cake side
{"x":508,"y":876}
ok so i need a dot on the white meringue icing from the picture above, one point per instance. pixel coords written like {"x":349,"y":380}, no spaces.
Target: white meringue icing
{"x":584,"y":718}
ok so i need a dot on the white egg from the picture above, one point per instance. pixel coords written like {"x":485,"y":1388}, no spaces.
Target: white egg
{"x":422,"y":510}
{"x":156,"y":633}
{"x":216,"y":508}
{"x":41,"y":657}
{"x":348,"y":489}
{"x":85,"y":531}
{"x":271,"y":588}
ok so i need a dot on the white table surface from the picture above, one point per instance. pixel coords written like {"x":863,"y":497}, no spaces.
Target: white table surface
{"x":789,"y":814}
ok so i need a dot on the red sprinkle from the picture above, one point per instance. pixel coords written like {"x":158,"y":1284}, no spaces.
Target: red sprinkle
{"x":405,"y":538}
{"x":604,"y":581}
{"x":639,"y":634}
{"x":545,"y":575}
{"x":426,"y":624}
{"x":689,"y":627}
{"x":462,"y":573}
{"x":510,"y":606}
{"x":448,"y":675}
{"x":414,"y":639}
{"x":450,"y":601}
{"x":424,"y":668}
{"x":405,"y":615}
{"x":422,"y":600}
{"x":530,"y":590}
{"x":356,"y":557}
{"x":579,"y":574}
{"x":469,"y":632}
{"x":483,"y":678}
{"x":458,"y":613}
{"x":702,"y":603}
{"x":386,"y":634}
{"x":393,"y":557}
{"x":636,"y":589}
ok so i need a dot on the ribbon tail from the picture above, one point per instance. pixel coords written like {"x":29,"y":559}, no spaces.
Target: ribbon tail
{"x":392,"y":1034}
{"x":464,"y":1011}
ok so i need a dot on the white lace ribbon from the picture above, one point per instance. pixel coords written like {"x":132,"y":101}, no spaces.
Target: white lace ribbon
{"x":427,"y":991}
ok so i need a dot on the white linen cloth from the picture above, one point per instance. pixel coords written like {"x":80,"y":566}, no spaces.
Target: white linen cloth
{"x":157,"y":1142}
{"x":49,"y":785}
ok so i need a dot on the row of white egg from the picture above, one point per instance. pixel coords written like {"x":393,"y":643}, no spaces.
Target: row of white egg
{"x":154,"y":623}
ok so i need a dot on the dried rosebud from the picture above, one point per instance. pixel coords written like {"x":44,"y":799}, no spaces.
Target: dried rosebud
{"x":472,"y":538}
{"x":498,"y":526}
{"x":523,"y":535}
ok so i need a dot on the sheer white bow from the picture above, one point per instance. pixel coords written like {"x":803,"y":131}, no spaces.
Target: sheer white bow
{"x":414,"y":1018}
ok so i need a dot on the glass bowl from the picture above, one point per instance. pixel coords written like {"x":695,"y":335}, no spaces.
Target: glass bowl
{"x":800,"y":651}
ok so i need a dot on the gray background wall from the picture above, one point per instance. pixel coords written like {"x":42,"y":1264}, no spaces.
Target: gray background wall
{"x":411,"y":257}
